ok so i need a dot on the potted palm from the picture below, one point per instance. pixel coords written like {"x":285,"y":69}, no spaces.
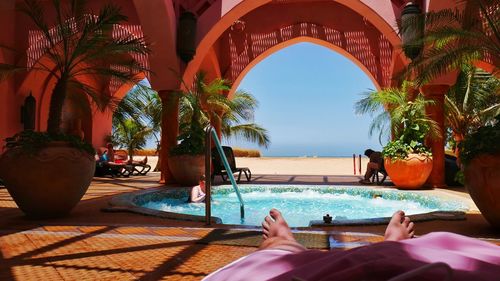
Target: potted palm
{"x":471,"y":103}
{"x":47,"y":173}
{"x":406,"y":158}
{"x":453,"y":38}
{"x":480,"y":154}
{"x":202,"y":104}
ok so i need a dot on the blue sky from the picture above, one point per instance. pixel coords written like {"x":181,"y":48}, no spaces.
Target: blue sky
{"x":307,"y":94}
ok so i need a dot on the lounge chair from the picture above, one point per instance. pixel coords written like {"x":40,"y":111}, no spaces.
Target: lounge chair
{"x":114,"y":169}
{"x":137,"y":167}
{"x":220,"y":170}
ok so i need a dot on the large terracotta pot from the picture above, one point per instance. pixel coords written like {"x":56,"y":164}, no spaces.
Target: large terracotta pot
{"x":410,"y":173}
{"x":482,"y":179}
{"x":187,"y":169}
{"x":50,"y":183}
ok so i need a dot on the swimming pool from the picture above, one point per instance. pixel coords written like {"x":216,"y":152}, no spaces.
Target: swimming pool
{"x":302,"y":203}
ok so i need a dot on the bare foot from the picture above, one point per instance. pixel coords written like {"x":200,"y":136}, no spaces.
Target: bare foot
{"x":275,"y":225}
{"x":399,"y":227}
{"x":277,"y":234}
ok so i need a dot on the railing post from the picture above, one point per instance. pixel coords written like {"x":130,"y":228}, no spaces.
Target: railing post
{"x":354,"y":162}
{"x":208,"y":176}
{"x":359,"y":164}
{"x":209,"y":134}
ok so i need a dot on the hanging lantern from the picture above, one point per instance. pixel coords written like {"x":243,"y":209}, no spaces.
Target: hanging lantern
{"x":412,"y":29}
{"x":186,"y":36}
{"x":28,"y":111}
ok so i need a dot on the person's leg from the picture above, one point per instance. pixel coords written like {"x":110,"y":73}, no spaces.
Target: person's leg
{"x":370,"y":169}
{"x":277,"y":234}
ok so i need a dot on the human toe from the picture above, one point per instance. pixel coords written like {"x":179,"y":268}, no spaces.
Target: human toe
{"x":406,"y":222}
{"x":411,"y":227}
{"x":275,"y":214}
{"x":397,"y":217}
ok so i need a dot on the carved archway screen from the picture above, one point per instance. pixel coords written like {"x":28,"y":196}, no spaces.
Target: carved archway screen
{"x":376,"y":56}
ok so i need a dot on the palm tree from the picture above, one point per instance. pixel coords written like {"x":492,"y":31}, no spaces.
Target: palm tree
{"x":81,"y":45}
{"x":472,"y":102}
{"x":396,"y":112}
{"x":237,"y":122}
{"x":144,"y":106}
{"x":205,"y":103}
{"x":131,"y":134}
{"x":454,"y":38}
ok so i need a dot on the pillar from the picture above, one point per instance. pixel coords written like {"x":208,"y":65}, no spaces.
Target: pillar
{"x":436,"y":113}
{"x":169,"y":131}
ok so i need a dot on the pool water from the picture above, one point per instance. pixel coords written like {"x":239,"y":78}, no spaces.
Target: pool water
{"x":301,"y":204}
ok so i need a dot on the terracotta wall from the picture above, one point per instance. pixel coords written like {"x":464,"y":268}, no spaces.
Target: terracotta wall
{"x":10,"y":121}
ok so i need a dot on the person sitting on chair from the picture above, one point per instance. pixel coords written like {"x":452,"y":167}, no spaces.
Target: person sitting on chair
{"x":198,"y":192}
{"x":373,"y":165}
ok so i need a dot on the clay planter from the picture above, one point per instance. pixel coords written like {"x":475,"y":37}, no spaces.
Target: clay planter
{"x":187,"y":169}
{"x":410,"y":173}
{"x":482,"y":179}
{"x":50,"y":183}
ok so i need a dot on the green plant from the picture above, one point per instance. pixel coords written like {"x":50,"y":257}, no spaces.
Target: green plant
{"x":455,"y":37}
{"x":399,"y":150}
{"x":406,"y":118}
{"x":132,"y":135}
{"x":32,"y":142}
{"x":472,"y":102}
{"x":206,"y":103}
{"x":484,"y":141}
{"x":79,"y":51}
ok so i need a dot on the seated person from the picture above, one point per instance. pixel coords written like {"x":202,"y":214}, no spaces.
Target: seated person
{"x":435,"y":256}
{"x":109,"y":153}
{"x":105,"y":163}
{"x":373,"y":165}
{"x":198,"y":192}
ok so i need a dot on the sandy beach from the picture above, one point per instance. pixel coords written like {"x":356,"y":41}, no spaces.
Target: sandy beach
{"x":294,"y":165}
{"x":301,"y":165}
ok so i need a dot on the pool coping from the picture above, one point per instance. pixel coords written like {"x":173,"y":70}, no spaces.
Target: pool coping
{"x":126,"y":203}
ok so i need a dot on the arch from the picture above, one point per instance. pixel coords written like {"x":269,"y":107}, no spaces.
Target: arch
{"x":294,"y":41}
{"x":381,"y":15}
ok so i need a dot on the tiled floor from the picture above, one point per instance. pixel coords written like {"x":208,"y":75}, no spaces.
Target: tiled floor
{"x":93,"y":245}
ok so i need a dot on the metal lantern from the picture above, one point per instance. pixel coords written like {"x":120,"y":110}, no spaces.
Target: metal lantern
{"x":28,"y":111}
{"x":412,"y":29}
{"x":186,"y":36}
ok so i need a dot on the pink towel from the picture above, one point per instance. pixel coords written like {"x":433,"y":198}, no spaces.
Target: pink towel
{"x":461,"y":257}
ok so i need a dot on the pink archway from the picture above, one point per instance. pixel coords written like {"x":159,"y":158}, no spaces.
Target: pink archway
{"x":296,"y":40}
{"x":381,"y":15}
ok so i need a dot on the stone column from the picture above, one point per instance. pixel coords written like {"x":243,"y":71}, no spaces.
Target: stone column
{"x":436,"y":112}
{"x":169,"y":131}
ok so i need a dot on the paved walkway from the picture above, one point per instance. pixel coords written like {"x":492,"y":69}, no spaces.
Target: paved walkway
{"x":93,"y":245}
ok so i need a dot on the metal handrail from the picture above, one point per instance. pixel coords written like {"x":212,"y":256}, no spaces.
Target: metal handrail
{"x":210,"y":134}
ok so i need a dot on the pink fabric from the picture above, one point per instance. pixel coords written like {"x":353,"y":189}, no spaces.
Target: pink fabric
{"x":470,"y":259}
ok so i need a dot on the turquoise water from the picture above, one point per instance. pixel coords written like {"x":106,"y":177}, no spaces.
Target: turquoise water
{"x":301,"y":204}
